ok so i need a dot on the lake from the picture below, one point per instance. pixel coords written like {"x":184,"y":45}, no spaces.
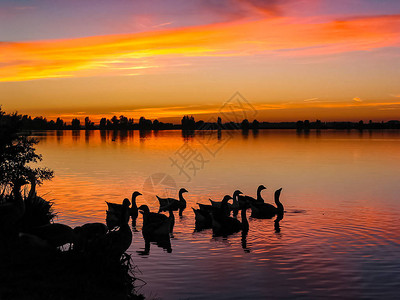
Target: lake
{"x":340,"y":235}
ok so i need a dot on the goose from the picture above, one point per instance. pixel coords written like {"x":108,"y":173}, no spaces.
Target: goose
{"x":134,"y":209}
{"x":222,"y":208}
{"x":203,"y":218}
{"x":115,"y":242}
{"x":266,"y":210}
{"x":115,"y":213}
{"x":236,"y":204}
{"x":175,"y":204}
{"x":55,"y":234}
{"x":87,"y":234}
{"x":247,"y":200}
{"x":155,"y":224}
{"x":225,"y":225}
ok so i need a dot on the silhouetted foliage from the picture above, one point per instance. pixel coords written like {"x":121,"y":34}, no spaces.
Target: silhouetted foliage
{"x":255,"y":125}
{"x":17,"y":152}
{"x":145,"y":124}
{"x":88,"y":124}
{"x":76,"y":124}
{"x":188,"y":123}
{"x":245,"y":125}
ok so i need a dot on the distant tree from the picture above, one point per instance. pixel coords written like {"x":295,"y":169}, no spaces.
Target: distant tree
{"x":76,"y":124}
{"x":318,"y":124}
{"x":306,"y":125}
{"x":17,"y":153}
{"x":188,"y":123}
{"x":145,"y":124}
{"x":103,"y":123}
{"x":299,"y":125}
{"x":255,"y":125}
{"x":219,"y":123}
{"x":123,"y":122}
{"x":245,"y":125}
{"x":115,"y":122}
{"x":59,"y":124}
{"x":156,"y":124}
{"x":88,"y":124}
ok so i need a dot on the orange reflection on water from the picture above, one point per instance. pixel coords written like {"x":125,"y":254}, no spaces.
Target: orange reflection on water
{"x":339,"y":192}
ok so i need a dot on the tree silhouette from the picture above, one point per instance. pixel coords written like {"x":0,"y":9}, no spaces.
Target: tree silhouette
{"x":76,"y":124}
{"x":17,"y":153}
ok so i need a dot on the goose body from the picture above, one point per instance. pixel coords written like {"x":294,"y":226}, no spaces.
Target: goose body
{"x":266,"y":210}
{"x":154,"y":224}
{"x":115,"y":242}
{"x":55,"y":234}
{"x":88,"y":234}
{"x":176,"y":205}
{"x":246,"y":201}
{"x":228,"y":225}
{"x":203,"y":219}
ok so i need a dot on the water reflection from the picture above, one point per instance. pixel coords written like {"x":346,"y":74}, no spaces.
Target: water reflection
{"x":331,"y":240}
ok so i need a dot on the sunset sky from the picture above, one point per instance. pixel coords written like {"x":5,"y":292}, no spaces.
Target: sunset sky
{"x":291,"y":59}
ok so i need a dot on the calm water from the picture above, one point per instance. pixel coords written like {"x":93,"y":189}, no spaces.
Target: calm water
{"x":340,"y":236}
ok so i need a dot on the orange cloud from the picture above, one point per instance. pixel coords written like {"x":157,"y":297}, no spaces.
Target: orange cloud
{"x":120,"y":54}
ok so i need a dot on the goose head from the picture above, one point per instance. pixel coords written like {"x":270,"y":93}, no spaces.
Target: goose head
{"x":144,"y":209}
{"x":277,"y":194}
{"x":226,"y":199}
{"x":262,"y":187}
{"x":135,"y":194}
{"x":183,"y":190}
{"x":236,"y":193}
{"x":126,"y":202}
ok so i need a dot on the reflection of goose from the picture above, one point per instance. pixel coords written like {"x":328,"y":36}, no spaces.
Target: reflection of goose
{"x":154,"y":224}
{"x":173,"y":203}
{"x":115,"y":213}
{"x":266,"y":210}
{"x":247,"y":200}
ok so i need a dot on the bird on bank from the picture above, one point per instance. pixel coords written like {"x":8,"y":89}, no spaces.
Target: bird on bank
{"x":266,"y":210}
{"x":176,"y":205}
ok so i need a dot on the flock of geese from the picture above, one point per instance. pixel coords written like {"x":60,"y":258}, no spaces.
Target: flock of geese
{"x":115,"y":237}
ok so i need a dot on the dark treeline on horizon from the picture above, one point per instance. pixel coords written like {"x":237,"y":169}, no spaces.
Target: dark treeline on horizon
{"x":189,"y":123}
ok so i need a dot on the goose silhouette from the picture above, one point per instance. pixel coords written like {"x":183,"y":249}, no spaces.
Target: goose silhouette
{"x":175,"y":204}
{"x":248,"y":200}
{"x":266,"y":210}
{"x":155,"y":224}
{"x":114,"y":213}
